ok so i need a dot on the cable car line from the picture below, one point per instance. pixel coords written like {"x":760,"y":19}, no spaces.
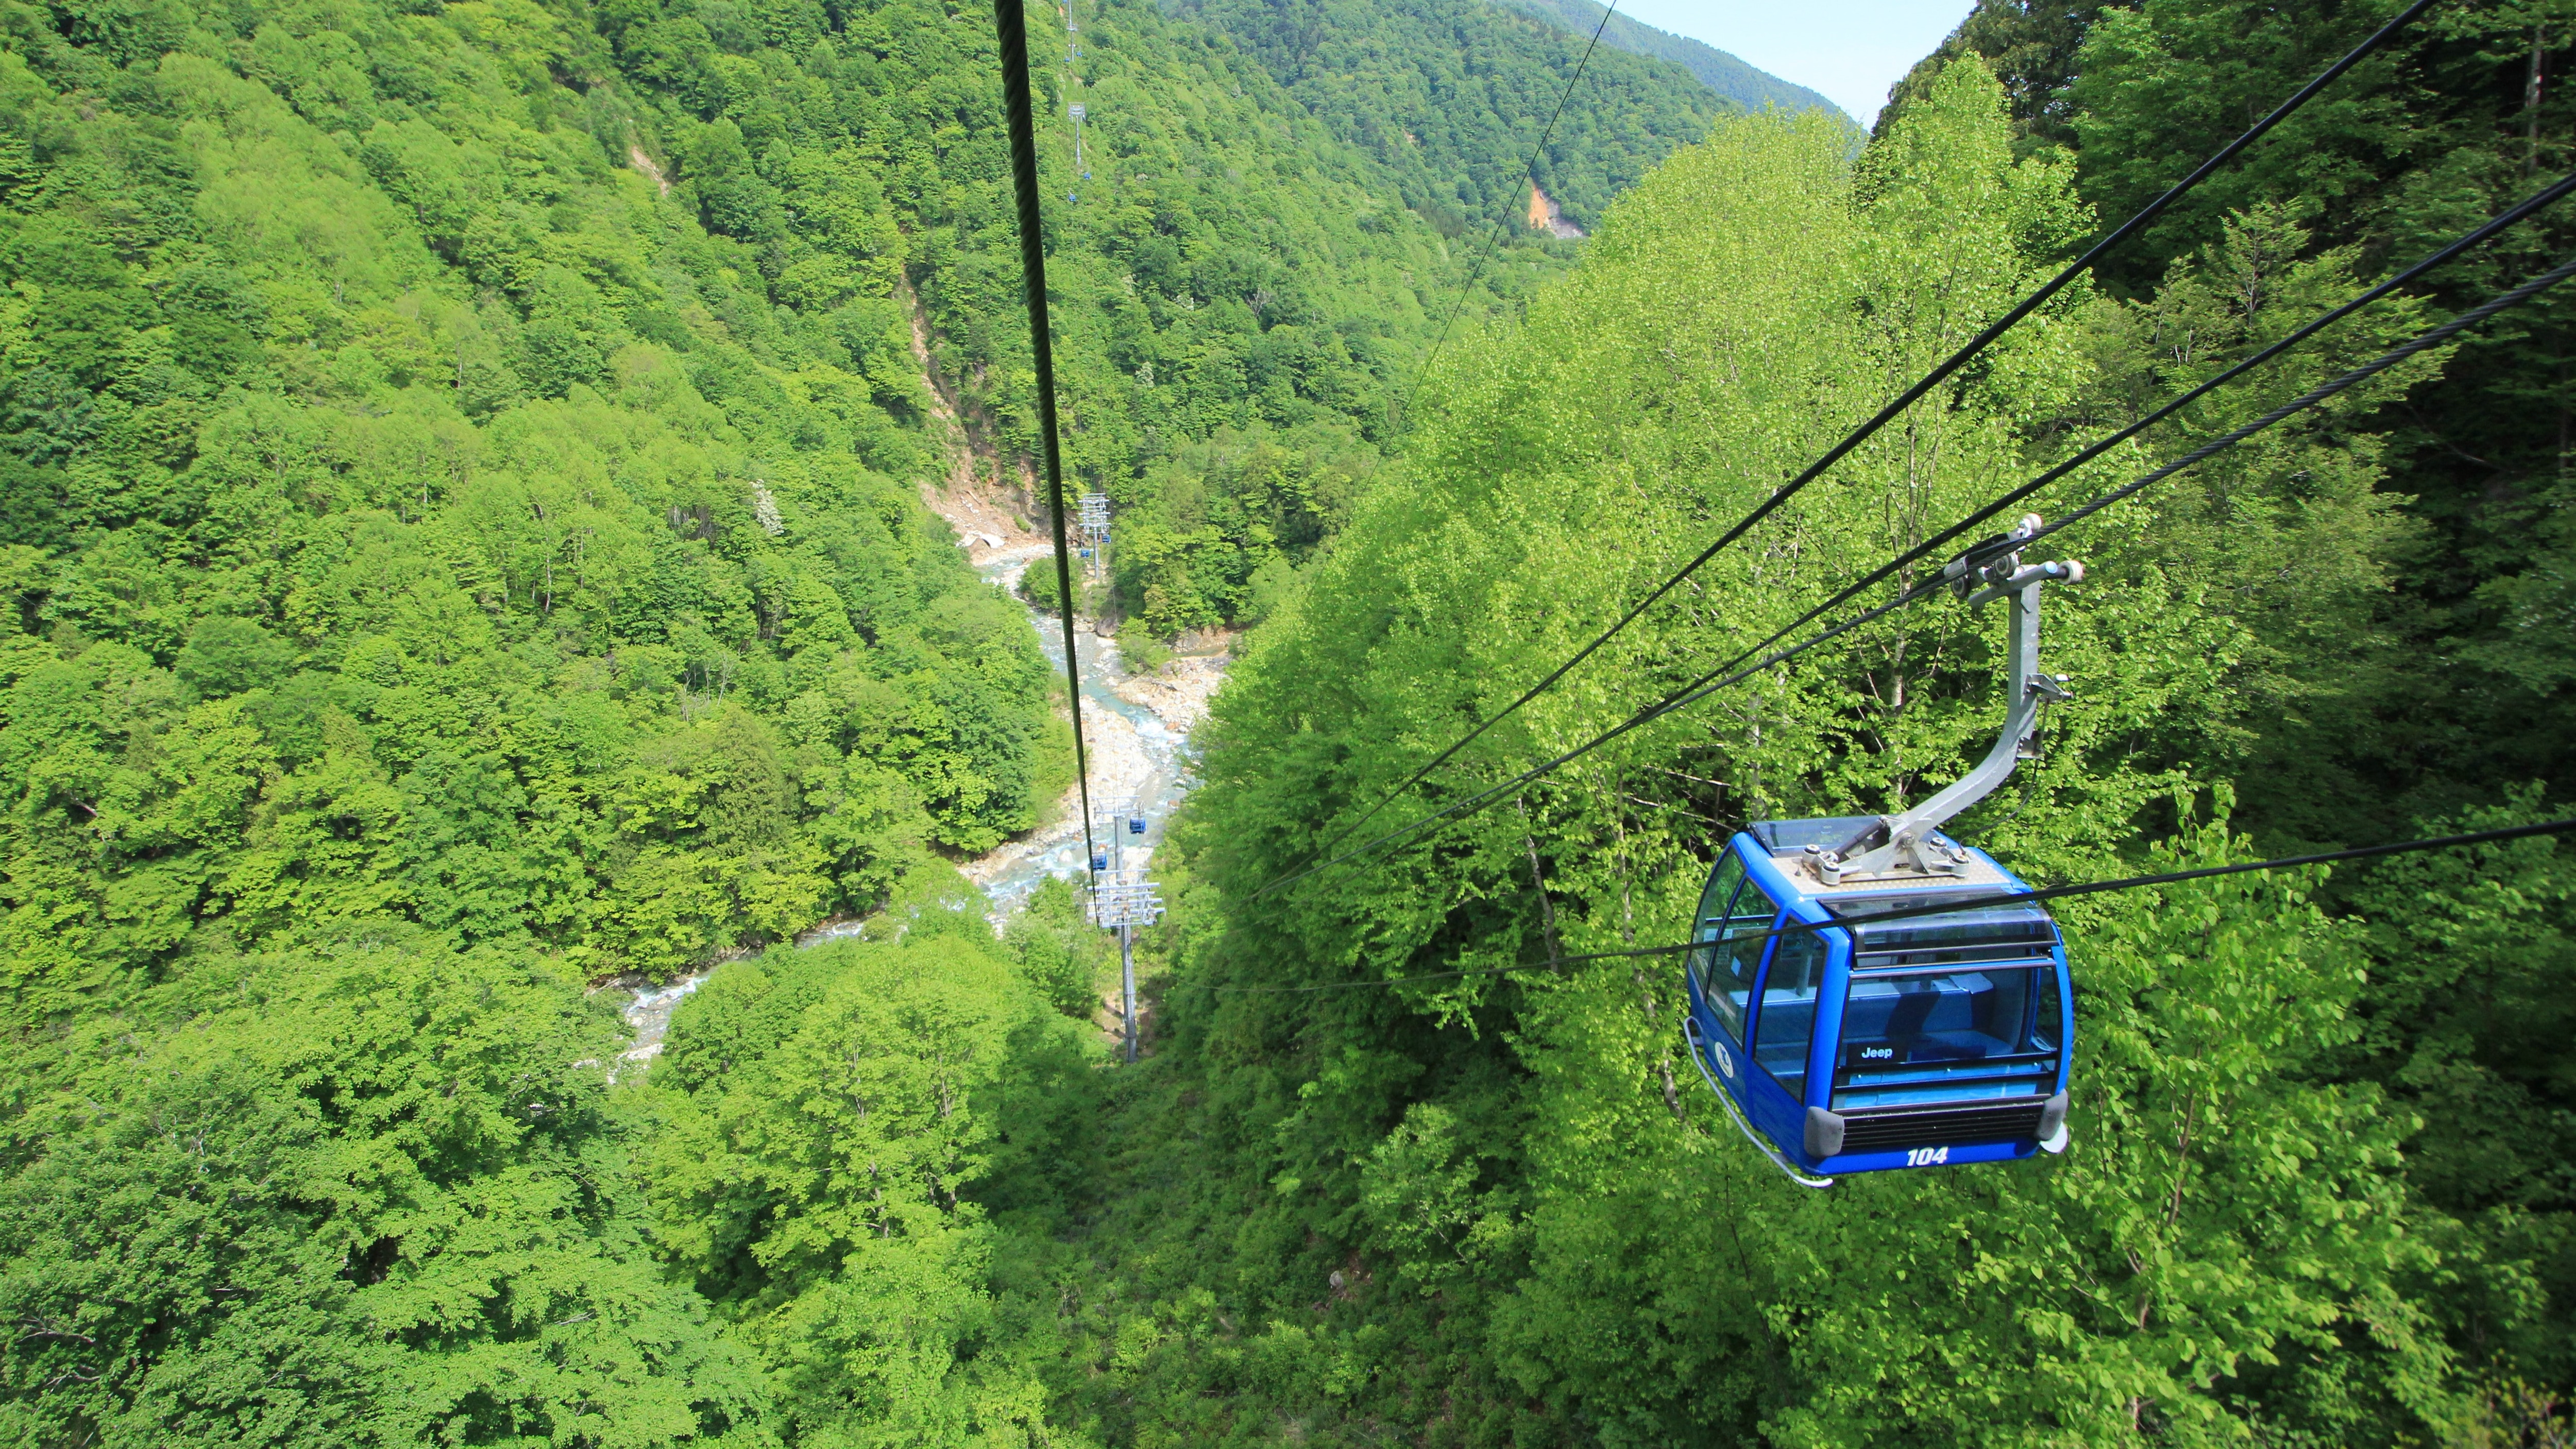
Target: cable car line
{"x":2435,"y":337}
{"x":1913,"y":394}
{"x":1012,"y":24}
{"x":1702,"y":687}
{"x":2539,"y":201}
{"x":2206,"y":872}
{"x":1711,"y":682}
{"x":1529,"y":177}
{"x":1955,"y":903}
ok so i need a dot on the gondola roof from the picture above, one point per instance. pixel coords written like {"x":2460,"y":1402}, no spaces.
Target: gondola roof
{"x":1989,"y":930}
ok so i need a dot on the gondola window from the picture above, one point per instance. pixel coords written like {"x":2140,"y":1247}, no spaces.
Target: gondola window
{"x":1734,"y":925}
{"x":1788,"y":1020}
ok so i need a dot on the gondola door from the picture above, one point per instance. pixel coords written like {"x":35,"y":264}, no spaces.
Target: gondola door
{"x":1784,"y":1032}
{"x":1734,"y":927}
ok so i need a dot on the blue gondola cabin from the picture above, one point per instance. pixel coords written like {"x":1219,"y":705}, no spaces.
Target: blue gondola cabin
{"x":1920,"y":1042}
{"x":1915,"y":1040}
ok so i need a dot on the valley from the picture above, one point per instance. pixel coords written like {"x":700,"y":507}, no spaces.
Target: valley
{"x":542,"y":889}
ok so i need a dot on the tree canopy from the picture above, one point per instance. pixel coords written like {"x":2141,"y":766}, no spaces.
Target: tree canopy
{"x":465,"y":483}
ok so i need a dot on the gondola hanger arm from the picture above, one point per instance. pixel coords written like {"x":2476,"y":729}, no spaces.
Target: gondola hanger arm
{"x":1903,"y":844}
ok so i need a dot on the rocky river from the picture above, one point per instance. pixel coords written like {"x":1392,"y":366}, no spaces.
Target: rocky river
{"x":1136,"y":728}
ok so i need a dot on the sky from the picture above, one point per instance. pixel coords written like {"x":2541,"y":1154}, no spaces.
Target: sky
{"x":1852,"y":50}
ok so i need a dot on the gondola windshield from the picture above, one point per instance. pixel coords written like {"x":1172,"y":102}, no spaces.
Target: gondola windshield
{"x":1789,"y":999}
{"x":1734,"y":920}
{"x":1982,"y":1029}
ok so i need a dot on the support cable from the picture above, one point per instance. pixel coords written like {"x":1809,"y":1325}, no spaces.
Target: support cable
{"x":1709,"y":683}
{"x":2206,"y":872}
{"x":1529,"y":177}
{"x":1966,"y":903}
{"x":1933,"y":379}
{"x":1011,"y":23}
{"x":2540,"y":201}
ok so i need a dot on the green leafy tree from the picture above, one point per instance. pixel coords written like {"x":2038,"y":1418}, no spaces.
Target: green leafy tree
{"x":831,"y":1112}
{"x":378,"y":1192}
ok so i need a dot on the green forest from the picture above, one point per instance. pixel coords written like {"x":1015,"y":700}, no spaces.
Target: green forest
{"x":470,"y":487}
{"x":1449,"y":95}
{"x":1725,"y":74}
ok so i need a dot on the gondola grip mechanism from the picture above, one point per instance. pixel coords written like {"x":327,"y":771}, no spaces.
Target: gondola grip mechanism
{"x":1904,"y":844}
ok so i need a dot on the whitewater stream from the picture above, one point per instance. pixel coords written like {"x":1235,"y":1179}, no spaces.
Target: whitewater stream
{"x":1136,"y":730}
{"x":1138,"y":756}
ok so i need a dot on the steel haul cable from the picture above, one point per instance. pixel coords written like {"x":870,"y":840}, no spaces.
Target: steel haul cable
{"x":1971,"y":902}
{"x":1012,"y":24}
{"x":1701,"y":688}
{"x":2538,"y":202}
{"x":1915,"y":393}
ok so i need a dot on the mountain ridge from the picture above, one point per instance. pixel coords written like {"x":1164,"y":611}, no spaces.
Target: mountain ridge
{"x":1449,"y":96}
{"x":1731,"y":76}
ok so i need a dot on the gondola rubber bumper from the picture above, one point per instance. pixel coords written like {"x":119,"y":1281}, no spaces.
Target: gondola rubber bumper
{"x":1824,"y":1134}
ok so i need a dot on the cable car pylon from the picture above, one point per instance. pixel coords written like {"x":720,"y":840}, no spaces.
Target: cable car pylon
{"x":1122,"y":899}
{"x":1074,"y":110}
{"x":1094,"y":521}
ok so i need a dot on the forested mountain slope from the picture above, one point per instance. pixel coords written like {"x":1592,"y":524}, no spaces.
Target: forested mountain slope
{"x":460,"y":473}
{"x":1747,"y":85}
{"x":1451,"y":95}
